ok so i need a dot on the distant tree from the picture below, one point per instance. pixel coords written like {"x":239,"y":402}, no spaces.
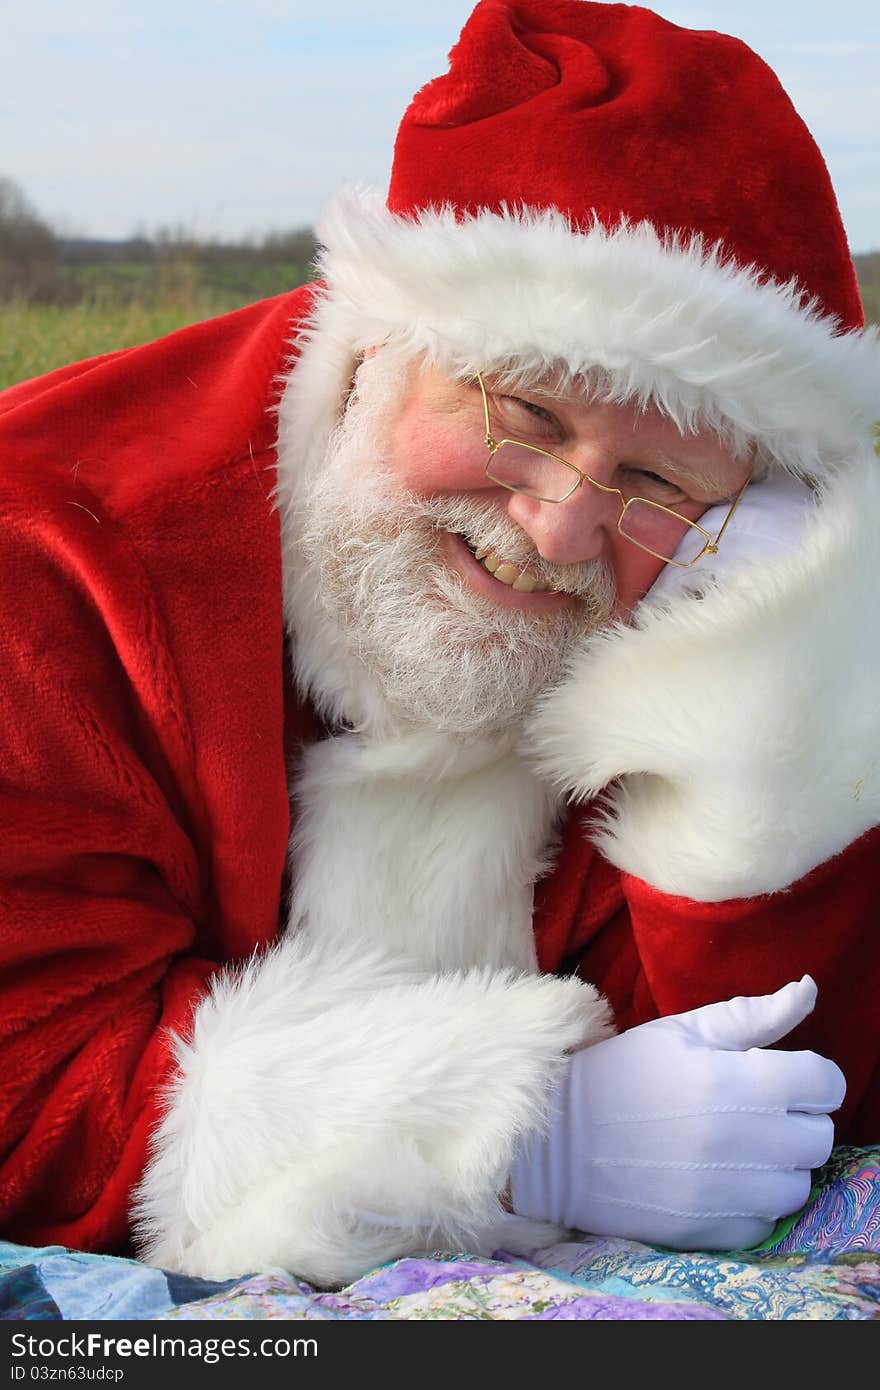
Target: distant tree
{"x":29,"y":266}
{"x":298,"y":246}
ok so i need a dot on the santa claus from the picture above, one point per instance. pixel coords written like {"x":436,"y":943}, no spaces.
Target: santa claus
{"x":427,"y":694}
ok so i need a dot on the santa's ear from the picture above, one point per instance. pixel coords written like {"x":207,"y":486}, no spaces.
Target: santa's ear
{"x":371,"y":351}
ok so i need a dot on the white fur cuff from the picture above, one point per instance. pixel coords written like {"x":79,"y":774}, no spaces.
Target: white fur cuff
{"x":334,"y":1111}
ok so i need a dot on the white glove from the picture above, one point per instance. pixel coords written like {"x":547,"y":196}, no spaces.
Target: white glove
{"x":684,"y":1132}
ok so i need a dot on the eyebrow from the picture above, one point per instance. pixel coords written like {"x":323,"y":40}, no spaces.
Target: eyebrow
{"x":707,"y":478}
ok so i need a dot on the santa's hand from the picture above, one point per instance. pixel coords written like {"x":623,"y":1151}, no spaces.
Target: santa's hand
{"x":685,"y":1132}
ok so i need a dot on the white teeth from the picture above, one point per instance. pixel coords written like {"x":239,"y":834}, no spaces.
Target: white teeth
{"x":509,"y":574}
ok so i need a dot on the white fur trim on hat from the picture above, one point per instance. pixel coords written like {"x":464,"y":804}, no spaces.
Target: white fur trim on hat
{"x":667,"y":319}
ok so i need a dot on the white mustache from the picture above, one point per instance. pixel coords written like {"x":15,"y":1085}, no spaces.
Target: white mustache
{"x":482,"y":524}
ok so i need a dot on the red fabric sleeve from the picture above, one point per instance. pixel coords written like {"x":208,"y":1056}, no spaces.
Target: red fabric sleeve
{"x":100,"y":881}
{"x":827,"y":926}
{"x":143,"y":803}
{"x":35,"y":388}
{"x":653,"y":955}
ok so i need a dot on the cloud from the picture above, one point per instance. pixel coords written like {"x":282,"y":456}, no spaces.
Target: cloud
{"x":833,"y":48}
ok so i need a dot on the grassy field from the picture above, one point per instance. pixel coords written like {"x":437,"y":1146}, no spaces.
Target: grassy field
{"x":127,"y":303}
{"x":38,"y":337}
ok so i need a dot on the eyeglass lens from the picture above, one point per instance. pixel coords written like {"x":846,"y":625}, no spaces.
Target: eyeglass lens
{"x":644,"y":523}
{"x":662,"y":532}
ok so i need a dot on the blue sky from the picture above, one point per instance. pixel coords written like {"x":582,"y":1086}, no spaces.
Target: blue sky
{"x":230,"y":118}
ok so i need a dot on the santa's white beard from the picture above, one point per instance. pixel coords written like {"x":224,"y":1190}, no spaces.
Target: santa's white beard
{"x":443,"y":656}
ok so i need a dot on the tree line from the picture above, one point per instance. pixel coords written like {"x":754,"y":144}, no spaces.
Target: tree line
{"x":39,"y":267}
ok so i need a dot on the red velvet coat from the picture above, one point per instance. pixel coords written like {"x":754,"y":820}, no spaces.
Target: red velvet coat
{"x":145,"y":723}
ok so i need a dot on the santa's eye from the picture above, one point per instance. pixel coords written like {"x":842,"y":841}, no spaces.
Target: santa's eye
{"x":538,"y":411}
{"x":641,"y":482}
{"x":518,"y":414}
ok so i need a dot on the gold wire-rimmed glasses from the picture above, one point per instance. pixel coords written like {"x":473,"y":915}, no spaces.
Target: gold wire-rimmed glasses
{"x":660,"y":531}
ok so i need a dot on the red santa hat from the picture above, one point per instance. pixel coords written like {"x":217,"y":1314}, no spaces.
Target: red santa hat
{"x":592,"y":187}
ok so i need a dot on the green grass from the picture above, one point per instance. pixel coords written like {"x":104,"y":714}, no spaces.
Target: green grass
{"x":232,"y":281}
{"x":130,"y":302}
{"x":38,"y":338}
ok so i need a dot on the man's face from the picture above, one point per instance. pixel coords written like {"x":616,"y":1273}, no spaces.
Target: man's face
{"x":438,"y":449}
{"x":403,"y":507}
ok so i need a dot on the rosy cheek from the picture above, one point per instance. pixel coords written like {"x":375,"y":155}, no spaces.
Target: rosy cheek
{"x":634,"y":572}
{"x":437,"y":457}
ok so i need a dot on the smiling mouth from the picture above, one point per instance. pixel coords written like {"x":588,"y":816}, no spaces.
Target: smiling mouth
{"x":513,"y":576}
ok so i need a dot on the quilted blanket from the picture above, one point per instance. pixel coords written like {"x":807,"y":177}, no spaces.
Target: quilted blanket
{"x":823,"y":1263}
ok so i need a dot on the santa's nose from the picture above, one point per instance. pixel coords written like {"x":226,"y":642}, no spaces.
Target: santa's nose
{"x":569,"y":532}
